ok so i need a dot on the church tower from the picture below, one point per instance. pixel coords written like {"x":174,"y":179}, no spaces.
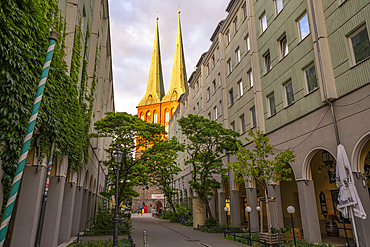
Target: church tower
{"x":155,"y":107}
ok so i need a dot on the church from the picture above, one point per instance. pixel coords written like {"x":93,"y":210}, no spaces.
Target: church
{"x":158,"y":107}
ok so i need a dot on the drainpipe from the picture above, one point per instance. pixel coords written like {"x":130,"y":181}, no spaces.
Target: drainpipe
{"x":322,"y":75}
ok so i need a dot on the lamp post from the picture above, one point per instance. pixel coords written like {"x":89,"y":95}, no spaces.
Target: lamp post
{"x":117,"y":158}
{"x":249,"y":209}
{"x":291,"y":210}
{"x":227,"y":221}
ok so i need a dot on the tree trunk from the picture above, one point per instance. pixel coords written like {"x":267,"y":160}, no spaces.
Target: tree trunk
{"x":268,"y":216}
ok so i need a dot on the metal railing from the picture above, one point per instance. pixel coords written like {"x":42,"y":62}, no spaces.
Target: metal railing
{"x":100,"y":236}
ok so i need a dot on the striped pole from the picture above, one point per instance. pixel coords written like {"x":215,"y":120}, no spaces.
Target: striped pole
{"x":27,"y":140}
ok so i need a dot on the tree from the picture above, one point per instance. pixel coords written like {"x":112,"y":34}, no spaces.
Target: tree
{"x":256,"y":164}
{"x":163,"y":168}
{"x":134,"y":138}
{"x":206,"y":143}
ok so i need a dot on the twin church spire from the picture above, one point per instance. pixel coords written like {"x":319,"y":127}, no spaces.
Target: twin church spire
{"x":178,"y":85}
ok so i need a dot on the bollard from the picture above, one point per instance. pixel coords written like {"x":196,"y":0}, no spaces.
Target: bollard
{"x":144,"y":238}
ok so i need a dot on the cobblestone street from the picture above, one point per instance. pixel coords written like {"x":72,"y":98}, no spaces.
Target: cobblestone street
{"x":162,"y":233}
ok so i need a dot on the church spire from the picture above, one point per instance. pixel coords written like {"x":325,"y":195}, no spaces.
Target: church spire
{"x":178,"y":83}
{"x":155,"y":89}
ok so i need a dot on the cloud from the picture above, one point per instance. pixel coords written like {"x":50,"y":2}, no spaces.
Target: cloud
{"x":132,"y":34}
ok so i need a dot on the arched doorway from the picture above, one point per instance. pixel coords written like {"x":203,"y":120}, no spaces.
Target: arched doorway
{"x":289,"y":197}
{"x":322,"y":171}
{"x":158,"y":206}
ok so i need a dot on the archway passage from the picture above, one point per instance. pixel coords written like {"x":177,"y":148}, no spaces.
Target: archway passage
{"x":159,"y":206}
{"x":289,"y":197}
{"x":323,"y":173}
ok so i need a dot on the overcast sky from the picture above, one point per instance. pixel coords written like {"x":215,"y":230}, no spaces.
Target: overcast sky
{"x":132,"y":33}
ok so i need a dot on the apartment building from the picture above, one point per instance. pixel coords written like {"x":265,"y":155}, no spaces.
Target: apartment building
{"x":299,"y":71}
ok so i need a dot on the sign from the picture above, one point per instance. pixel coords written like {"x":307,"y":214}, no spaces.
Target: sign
{"x":157,"y":196}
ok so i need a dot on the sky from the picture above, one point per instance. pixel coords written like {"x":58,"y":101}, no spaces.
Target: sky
{"x":132,"y":25}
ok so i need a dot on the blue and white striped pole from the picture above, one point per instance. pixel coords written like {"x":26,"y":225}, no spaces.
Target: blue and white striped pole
{"x":27,"y":140}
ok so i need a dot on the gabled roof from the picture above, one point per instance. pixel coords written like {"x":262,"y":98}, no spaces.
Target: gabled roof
{"x":217,"y":30}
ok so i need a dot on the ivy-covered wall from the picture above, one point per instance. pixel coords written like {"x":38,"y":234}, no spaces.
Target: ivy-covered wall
{"x":69,"y":96}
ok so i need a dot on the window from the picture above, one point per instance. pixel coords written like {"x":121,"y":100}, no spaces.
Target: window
{"x":245,"y":13}
{"x":209,"y":115}
{"x":304,"y":28}
{"x":142,"y":116}
{"x":194,"y":110}
{"x":283,"y":45}
{"x":311,"y":80}
{"x":253,"y":115}
{"x":228,"y":37}
{"x":215,"y":111}
{"x":213,"y":61}
{"x":250,"y":77}
{"x":166,"y":116}
{"x":208,"y":93}
{"x":219,"y":79}
{"x":247,"y":43}
{"x":268,"y":65}
{"x":360,"y":46}
{"x":289,"y":94}
{"x":236,"y":24}
{"x":229,"y":67}
{"x":263,"y":23}
{"x":207,"y":69}
{"x":278,"y":6}
{"x":271,"y":102}
{"x":240,"y":86}
{"x":155,"y":117}
{"x":214,"y":86}
{"x":231,"y":96}
{"x":237,"y":55}
{"x":242,"y":123}
{"x":233,"y":126}
{"x":198,"y":106}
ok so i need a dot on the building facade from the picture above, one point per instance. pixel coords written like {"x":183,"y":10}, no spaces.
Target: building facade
{"x":298,"y":71}
{"x":73,"y":196}
{"x":158,"y":107}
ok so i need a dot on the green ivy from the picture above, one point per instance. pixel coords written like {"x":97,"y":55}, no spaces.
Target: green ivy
{"x":66,"y":107}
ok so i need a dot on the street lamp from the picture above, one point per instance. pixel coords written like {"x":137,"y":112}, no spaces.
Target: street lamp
{"x":117,"y":158}
{"x":291,"y":210}
{"x":249,"y":209}
{"x":227,"y":221}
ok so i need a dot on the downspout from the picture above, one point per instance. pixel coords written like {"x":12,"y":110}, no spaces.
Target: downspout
{"x":322,"y":75}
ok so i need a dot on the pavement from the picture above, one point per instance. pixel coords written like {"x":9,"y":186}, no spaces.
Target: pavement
{"x":162,"y":233}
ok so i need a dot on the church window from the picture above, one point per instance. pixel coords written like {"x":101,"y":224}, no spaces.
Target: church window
{"x":142,"y":116}
{"x":167,"y":116}
{"x":155,"y":120}
{"x":149,"y":117}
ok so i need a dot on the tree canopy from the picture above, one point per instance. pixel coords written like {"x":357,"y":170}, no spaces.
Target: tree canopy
{"x":207,"y":142}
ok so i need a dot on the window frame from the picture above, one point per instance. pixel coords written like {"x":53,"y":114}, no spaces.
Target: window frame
{"x":299,"y":26}
{"x":253,"y":117}
{"x":231,"y":96}
{"x":215,"y":111}
{"x":305,"y":77}
{"x":236,"y":26}
{"x":276,"y":7}
{"x":240,"y":88}
{"x":208,"y":93}
{"x":237,"y":55}
{"x":247,"y":43}
{"x":232,"y":124}
{"x":283,"y":47}
{"x":262,"y":29}
{"x":267,"y":68}
{"x":287,"y":103}
{"x":229,"y":67}
{"x":214,"y":86}
{"x":357,"y":31}
{"x":250,"y":78}
{"x":269,"y":104}
{"x":228,"y":37}
{"x":242,"y":124}
{"x":245,"y":11}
